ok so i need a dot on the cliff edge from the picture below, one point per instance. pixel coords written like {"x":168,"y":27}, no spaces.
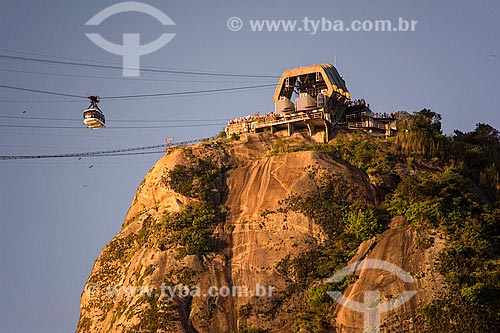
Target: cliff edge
{"x":242,"y":236}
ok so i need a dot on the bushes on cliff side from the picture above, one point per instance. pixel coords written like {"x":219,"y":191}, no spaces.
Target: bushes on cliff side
{"x":455,"y":200}
{"x":191,"y":229}
{"x":194,"y":179}
{"x":447,"y":185}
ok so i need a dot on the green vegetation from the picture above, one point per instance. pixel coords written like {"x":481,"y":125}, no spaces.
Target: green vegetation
{"x":191,"y":229}
{"x":194,"y":180}
{"x":457,"y":197}
{"x":444,"y":201}
{"x":284,"y":146}
{"x":347,"y":218}
{"x":362,"y":221}
{"x":478,"y":156}
{"x":421,"y":137}
{"x":229,"y":228}
{"x":446,"y":186}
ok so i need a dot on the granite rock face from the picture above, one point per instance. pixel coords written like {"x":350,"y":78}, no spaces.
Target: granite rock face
{"x":141,"y":282}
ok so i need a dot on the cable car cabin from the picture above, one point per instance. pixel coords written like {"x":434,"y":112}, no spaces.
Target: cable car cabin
{"x":93,"y":116}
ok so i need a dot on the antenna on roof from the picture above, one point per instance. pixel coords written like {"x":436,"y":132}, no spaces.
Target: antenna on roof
{"x":335,"y":60}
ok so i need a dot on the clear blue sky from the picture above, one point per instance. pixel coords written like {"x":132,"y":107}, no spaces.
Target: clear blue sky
{"x":56,"y":215}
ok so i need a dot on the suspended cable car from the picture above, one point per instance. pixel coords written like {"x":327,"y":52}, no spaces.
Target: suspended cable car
{"x":93,"y":116}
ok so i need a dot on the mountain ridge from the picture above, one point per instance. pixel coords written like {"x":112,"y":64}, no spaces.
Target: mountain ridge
{"x":262,"y":211}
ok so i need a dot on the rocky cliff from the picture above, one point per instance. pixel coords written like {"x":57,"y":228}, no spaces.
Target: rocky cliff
{"x":230,"y":237}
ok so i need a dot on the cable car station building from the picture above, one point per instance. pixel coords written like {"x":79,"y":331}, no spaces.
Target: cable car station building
{"x":322,"y":101}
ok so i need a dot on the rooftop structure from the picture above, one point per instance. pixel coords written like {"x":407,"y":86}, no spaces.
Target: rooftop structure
{"x":315,"y":99}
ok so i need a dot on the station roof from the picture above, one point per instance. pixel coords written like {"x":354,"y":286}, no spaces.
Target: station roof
{"x":330,"y":74}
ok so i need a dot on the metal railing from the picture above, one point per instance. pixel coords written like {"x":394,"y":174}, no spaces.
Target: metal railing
{"x":285,"y":118}
{"x":255,"y":122}
{"x":367,"y":124}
